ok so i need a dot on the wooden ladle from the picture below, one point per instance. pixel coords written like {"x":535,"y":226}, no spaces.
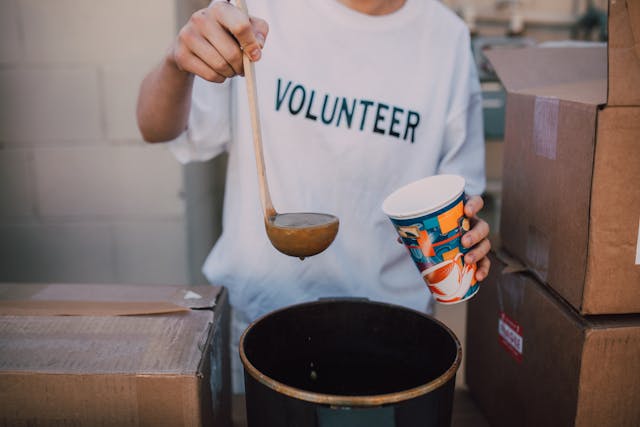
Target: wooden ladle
{"x":299,"y":234}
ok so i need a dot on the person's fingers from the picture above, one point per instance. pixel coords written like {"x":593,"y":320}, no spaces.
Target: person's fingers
{"x":483,"y":269}
{"x":224,"y":43}
{"x":240,"y":26}
{"x":190,"y":63}
{"x":478,"y":252}
{"x":206,"y":51}
{"x":260,"y":29}
{"x":218,"y":34}
{"x":473,"y":206}
{"x":199,"y":68}
{"x":479,"y":231}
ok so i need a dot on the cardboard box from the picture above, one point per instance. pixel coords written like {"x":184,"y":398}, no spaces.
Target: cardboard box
{"x":570,"y":199}
{"x":113,"y":355}
{"x":531,"y":360}
{"x":624,"y":52}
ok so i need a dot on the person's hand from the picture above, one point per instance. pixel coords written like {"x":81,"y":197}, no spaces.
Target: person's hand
{"x":477,"y":238}
{"x":212,"y":43}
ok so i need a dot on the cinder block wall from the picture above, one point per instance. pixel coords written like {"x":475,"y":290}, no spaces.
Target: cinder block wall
{"x":82,"y":198}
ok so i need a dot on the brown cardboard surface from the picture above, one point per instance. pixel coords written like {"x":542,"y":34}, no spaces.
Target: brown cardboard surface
{"x":545,"y":200}
{"x":552,"y":70}
{"x":624,"y":52}
{"x":613,"y":278}
{"x":101,"y":300}
{"x":570,"y":209}
{"x":573,"y":371}
{"x":90,"y":400}
{"x":168,"y":369}
{"x":184,"y":296}
{"x":610,"y":368}
{"x":101,"y":345}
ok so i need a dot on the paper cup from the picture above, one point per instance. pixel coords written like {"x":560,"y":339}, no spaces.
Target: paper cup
{"x":429,"y":217}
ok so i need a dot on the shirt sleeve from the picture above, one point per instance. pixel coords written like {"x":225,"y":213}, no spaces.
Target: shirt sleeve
{"x":208,"y":130}
{"x":463,"y":147}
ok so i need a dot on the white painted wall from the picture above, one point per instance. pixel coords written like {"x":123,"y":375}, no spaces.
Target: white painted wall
{"x":82,"y":198}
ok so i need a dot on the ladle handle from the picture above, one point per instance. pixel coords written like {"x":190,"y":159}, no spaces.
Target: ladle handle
{"x":250,"y":78}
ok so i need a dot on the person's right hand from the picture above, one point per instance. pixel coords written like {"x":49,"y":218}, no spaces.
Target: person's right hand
{"x":212,"y":43}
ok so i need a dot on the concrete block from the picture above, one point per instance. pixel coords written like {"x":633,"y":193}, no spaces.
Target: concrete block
{"x":121,"y":84}
{"x":97,"y":31}
{"x":204,"y":191}
{"x":49,"y":104}
{"x":51,"y":253}
{"x":16,"y":198}
{"x":10,"y":42}
{"x":151,"y":252}
{"x":141,"y":182}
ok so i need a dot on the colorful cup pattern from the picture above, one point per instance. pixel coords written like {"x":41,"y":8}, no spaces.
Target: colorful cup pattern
{"x":434,"y":243}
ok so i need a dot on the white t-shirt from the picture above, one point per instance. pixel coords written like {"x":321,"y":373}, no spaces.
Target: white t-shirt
{"x":352,"y":106}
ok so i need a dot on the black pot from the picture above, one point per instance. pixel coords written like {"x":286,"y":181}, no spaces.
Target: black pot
{"x":349,"y":362}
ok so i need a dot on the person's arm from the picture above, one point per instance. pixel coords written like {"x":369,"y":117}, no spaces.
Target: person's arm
{"x":163,"y":103}
{"x":211,"y":46}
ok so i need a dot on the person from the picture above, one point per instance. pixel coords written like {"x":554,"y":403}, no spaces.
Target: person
{"x":357,"y":98}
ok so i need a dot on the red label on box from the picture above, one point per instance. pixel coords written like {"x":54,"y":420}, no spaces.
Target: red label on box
{"x":510,"y":336}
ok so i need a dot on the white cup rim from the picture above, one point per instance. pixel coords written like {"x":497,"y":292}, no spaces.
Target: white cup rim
{"x":435,"y":192}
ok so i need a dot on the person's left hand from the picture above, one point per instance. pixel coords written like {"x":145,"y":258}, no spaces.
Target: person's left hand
{"x":477,"y":238}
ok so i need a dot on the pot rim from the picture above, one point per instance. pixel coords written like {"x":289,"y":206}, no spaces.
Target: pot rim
{"x":346,"y":400}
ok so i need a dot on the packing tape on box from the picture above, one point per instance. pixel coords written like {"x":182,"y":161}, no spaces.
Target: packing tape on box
{"x":545,"y":126}
{"x":515,"y":293}
{"x":510,"y":299}
{"x":538,"y":252}
{"x":511,"y":294}
{"x":512,"y":265}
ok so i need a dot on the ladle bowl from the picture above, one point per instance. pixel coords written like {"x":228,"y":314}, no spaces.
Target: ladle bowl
{"x":302,"y":234}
